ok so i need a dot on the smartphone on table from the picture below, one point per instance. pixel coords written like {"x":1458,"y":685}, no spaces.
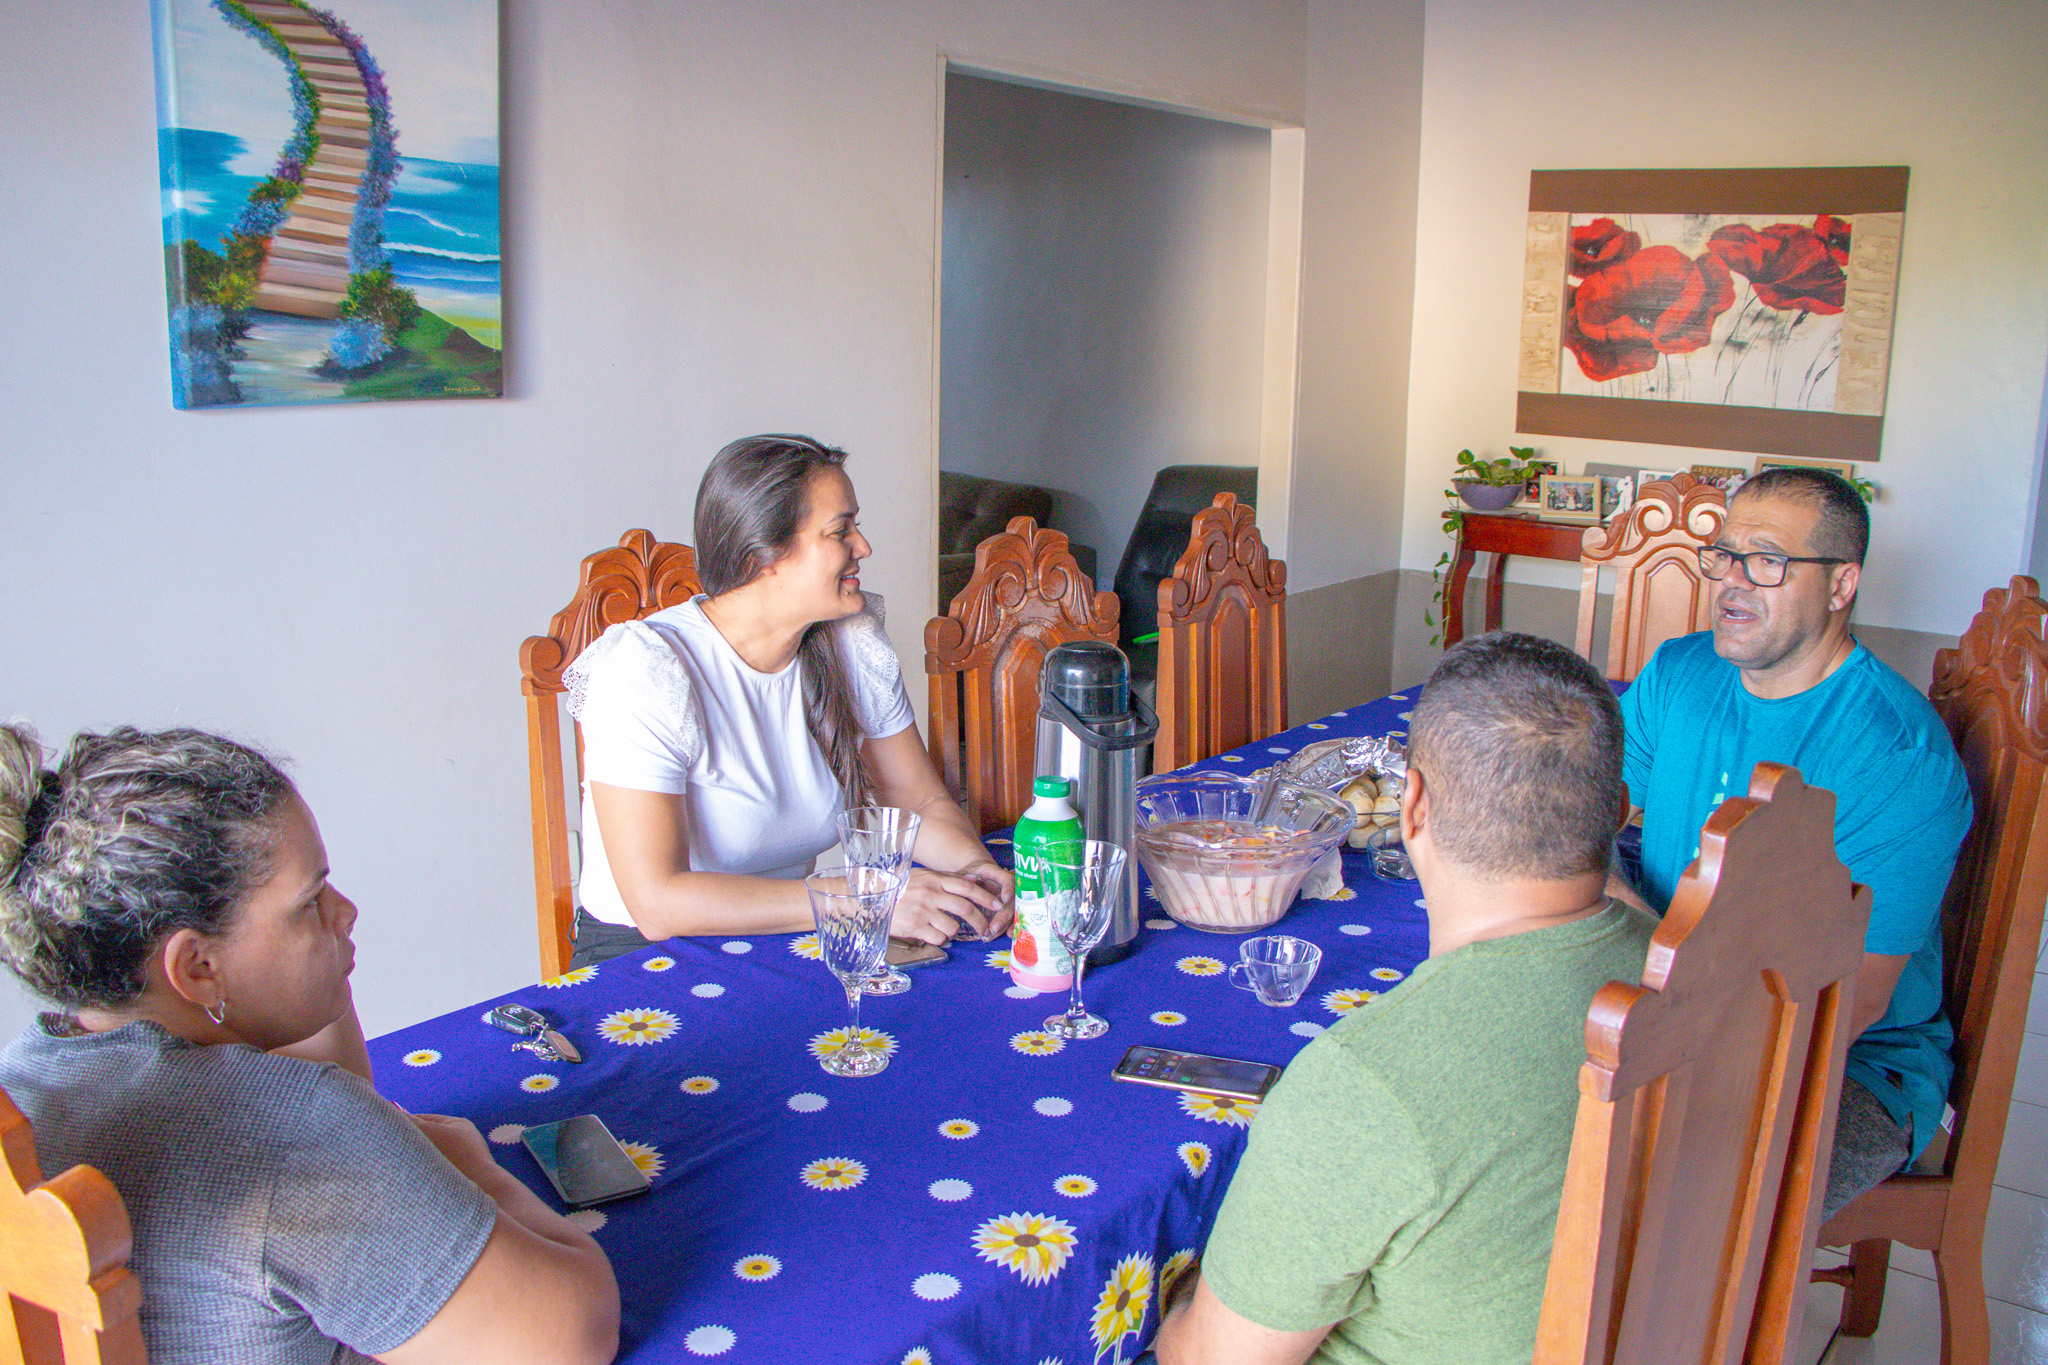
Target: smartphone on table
{"x":1196,"y":1071}
{"x":583,"y":1161}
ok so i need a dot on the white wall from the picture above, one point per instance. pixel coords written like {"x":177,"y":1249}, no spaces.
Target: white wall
{"x":1953,"y":91}
{"x":1104,"y":297}
{"x":719,"y":218}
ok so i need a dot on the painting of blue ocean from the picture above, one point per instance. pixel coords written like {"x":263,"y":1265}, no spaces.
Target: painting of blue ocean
{"x":329,"y":183}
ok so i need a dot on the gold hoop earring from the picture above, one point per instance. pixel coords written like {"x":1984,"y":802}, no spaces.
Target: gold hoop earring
{"x":218,"y":1013}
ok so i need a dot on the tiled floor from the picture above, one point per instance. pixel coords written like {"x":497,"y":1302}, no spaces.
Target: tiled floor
{"x":2015,"y":1249}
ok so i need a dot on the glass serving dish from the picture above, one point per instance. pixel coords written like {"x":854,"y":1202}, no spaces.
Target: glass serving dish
{"x":1227,"y":854}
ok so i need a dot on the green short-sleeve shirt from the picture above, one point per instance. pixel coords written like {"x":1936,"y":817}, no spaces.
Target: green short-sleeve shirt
{"x":1402,"y":1179}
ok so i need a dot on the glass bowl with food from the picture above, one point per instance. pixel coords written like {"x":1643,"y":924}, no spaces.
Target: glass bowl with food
{"x":1227,"y":854}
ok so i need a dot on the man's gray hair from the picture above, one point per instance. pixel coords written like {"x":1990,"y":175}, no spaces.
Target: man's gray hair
{"x":1520,"y":744}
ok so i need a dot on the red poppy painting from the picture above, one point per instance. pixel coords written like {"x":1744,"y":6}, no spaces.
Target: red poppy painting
{"x":1706,"y":308}
{"x":1736,"y":310}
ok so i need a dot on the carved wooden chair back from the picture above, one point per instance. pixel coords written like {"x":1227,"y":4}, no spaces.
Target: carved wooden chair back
{"x":1222,"y":640}
{"x":64,"y":1247}
{"x":1993,"y":692}
{"x":1026,"y":596}
{"x":1659,"y":591}
{"x":633,"y":579}
{"x":1707,"y":1102}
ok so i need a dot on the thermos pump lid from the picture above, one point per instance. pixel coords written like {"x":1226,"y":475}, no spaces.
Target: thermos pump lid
{"x":1091,"y":676}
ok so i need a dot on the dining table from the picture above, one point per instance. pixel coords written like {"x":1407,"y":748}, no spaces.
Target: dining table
{"x":993,"y":1195}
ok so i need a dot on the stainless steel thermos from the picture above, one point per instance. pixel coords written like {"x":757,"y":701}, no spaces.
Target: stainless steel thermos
{"x":1091,"y":728}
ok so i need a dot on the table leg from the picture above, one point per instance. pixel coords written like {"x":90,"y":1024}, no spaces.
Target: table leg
{"x":1454,"y":591}
{"x":1496,"y":584}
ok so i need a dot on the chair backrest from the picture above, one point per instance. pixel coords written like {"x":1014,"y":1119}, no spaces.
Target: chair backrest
{"x":1659,"y":592}
{"x":1222,"y":640}
{"x":64,"y":1245}
{"x":635,"y":578}
{"x":1707,"y":1102}
{"x":1992,"y":690}
{"x":983,"y":656}
{"x":1161,"y":533}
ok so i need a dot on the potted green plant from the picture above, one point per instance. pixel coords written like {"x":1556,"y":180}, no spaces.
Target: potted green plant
{"x":1483,"y":486}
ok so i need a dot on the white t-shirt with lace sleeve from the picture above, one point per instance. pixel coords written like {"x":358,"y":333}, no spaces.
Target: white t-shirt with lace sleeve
{"x":666,"y":705}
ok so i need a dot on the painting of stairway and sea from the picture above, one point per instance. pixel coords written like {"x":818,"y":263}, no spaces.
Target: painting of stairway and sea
{"x":313,"y":252}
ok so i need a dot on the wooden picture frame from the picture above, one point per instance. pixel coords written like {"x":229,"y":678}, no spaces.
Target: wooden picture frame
{"x":1797,"y":264}
{"x":1763,"y":462}
{"x":1532,"y":489}
{"x":1570,"y":497}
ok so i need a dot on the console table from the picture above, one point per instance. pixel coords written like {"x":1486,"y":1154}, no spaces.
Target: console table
{"x":1502,"y":534}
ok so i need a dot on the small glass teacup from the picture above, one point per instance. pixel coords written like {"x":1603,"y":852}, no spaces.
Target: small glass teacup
{"x":1277,"y":968}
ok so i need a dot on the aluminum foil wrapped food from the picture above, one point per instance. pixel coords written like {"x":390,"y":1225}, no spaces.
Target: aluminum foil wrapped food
{"x":1369,"y":772}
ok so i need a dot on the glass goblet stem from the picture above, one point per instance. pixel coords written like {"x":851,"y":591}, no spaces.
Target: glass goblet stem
{"x":1076,"y":1011}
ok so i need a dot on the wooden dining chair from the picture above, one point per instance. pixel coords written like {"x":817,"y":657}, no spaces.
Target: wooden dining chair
{"x":1707,"y":1101}
{"x":635,"y":578}
{"x":64,"y":1246}
{"x":1993,"y":692}
{"x":1222,"y":640}
{"x":1026,"y":596}
{"x":1653,"y":551}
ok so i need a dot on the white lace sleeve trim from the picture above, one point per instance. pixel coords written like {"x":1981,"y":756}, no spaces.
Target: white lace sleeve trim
{"x":632,"y":669}
{"x":877,"y":672}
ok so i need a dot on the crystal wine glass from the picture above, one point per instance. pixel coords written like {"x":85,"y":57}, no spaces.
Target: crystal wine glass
{"x":1086,"y":877}
{"x":851,"y":909}
{"x":880,"y":837}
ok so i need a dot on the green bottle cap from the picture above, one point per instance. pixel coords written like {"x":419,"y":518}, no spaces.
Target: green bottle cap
{"x":1052,"y":785}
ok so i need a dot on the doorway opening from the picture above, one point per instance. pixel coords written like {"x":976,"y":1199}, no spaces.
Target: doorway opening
{"x":1118,"y":295}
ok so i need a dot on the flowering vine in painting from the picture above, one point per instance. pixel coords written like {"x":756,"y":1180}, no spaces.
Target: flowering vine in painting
{"x":1705,"y":308}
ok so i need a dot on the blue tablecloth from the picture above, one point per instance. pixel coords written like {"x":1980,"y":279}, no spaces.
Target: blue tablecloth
{"x":992,"y":1197}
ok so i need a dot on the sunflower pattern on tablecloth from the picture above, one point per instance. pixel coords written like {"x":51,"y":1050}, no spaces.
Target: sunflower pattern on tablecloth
{"x":1169,"y":1018}
{"x":1033,"y":1245}
{"x":1037,"y":1043}
{"x":833,"y":1041}
{"x":1350,"y":998}
{"x":1120,"y":1310}
{"x":998,"y":958}
{"x":575,"y":976}
{"x":806,"y":947}
{"x":647,"y":1158}
{"x":539,"y":1083}
{"x":1233,"y":1110}
{"x":1196,"y":1156}
{"x":834,"y":1173}
{"x":424,"y":1056}
{"x":757,"y":1268}
{"x":658,"y":964}
{"x":917,"y":1355}
{"x":637,"y":1027}
{"x":1200,"y":966}
{"x":699,"y":1085}
{"x":1075,"y":1186}
{"x":959,"y":1129}
{"x":1169,"y":1274}
{"x":1385,"y":974}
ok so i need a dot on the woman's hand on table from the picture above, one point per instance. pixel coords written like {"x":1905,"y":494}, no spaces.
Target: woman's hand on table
{"x":458,"y":1140}
{"x":937,"y":907}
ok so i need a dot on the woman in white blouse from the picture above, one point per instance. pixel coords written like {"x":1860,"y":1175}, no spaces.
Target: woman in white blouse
{"x":722,"y":737}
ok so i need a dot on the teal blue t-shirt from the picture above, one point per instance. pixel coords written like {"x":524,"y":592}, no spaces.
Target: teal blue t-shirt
{"x":1902,"y":807}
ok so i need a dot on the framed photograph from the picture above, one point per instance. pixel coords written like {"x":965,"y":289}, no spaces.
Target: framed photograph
{"x":1570,"y":497}
{"x":1617,"y":494}
{"x":1741,"y":310}
{"x":1530,"y":490}
{"x":1644,"y":476}
{"x":1726,"y":477}
{"x":1763,"y":462}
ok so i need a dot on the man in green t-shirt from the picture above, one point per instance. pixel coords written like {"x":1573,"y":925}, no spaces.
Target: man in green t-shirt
{"x":1398,"y":1196}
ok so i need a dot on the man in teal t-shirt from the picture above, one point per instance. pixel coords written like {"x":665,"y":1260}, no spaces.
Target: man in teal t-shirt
{"x":1396,"y":1203}
{"x":1780,"y":678}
